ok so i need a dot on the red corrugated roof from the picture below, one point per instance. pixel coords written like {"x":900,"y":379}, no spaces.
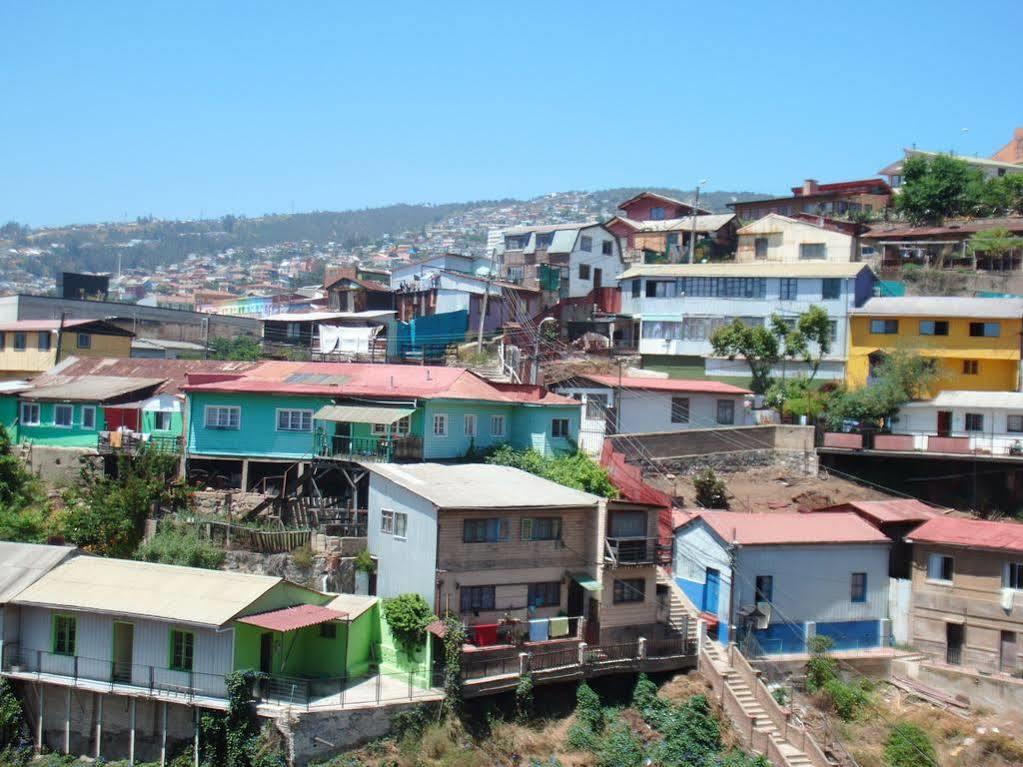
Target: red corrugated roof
{"x":338,"y":379}
{"x":786,"y":528}
{"x":973,"y":533}
{"x":881,"y":512}
{"x":666,"y":384}
{"x":293,"y":618}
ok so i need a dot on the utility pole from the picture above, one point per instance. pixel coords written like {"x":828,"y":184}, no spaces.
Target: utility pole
{"x":536,"y":349}
{"x":483,"y":311}
{"x":692,"y":233}
{"x":60,"y":337}
{"x":732,"y":580}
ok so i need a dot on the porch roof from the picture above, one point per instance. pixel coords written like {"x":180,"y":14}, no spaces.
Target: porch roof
{"x":362,"y":414}
{"x":294,"y":618}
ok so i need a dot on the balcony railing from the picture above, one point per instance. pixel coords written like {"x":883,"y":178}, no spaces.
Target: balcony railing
{"x":636,"y":550}
{"x":109,"y":443}
{"x":384,"y":449}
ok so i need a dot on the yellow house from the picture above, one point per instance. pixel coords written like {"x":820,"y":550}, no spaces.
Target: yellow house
{"x":28,"y":347}
{"x":974,"y":341}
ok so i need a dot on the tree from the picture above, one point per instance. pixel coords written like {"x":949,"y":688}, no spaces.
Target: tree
{"x":993,"y":243}
{"x":758,"y":345}
{"x":898,"y":378}
{"x":1003,"y":195}
{"x":939,"y":187}
{"x":241,"y":348}
{"x":711,"y":492}
{"x":577,"y":470}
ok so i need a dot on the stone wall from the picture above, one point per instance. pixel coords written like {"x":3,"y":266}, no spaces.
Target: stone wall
{"x":217,"y":503}
{"x":59,"y":466}
{"x":1000,"y":692}
{"x":318,"y":735}
{"x":338,"y":570}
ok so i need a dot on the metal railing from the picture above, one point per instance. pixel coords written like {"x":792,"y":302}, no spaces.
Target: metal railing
{"x":368,"y":448}
{"x":954,"y":655}
{"x":132,"y":442}
{"x":635,"y":550}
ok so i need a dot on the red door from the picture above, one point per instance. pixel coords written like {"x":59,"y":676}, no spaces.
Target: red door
{"x":944,"y":423}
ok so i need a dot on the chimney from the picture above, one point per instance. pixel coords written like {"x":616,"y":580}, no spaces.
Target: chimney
{"x":809,"y":186}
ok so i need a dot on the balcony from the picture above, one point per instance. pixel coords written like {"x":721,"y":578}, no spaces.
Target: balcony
{"x":383,"y":449}
{"x":131,"y":442}
{"x":635,"y":551}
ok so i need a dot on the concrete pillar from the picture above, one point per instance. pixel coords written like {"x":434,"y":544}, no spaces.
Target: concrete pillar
{"x":195,"y":740}
{"x":42,"y":714}
{"x":99,"y":722}
{"x":641,"y":648}
{"x":701,"y":634}
{"x":885,"y":632}
{"x":523,"y":663}
{"x":810,"y":631}
{"x":163,"y":735}
{"x":245,"y":475}
{"x":131,"y":733}
{"x":67,"y":723}
{"x":582,"y":653}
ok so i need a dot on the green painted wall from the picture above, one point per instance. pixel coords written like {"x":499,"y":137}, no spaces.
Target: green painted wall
{"x":303,"y":653}
{"x":48,"y":434}
{"x":363,"y":637}
{"x":532,"y":427}
{"x":396,"y":662}
{"x":149,"y":418}
{"x":8,"y":416}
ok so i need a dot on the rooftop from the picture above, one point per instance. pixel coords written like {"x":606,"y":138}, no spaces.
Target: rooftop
{"x":664,"y":384}
{"x":164,"y":592}
{"x":97,"y":326}
{"x":816,"y":269}
{"x":374,"y":314}
{"x":91,"y":388}
{"x":942,"y":306}
{"x":789,"y":528}
{"x":704,"y":223}
{"x":888,"y":231}
{"x":22,"y":563}
{"x":882,"y":512}
{"x":971,"y":533}
{"x":293,"y":618}
{"x":544,"y":228}
{"x":1008,"y":400}
{"x":481,"y":486}
{"x":661,"y":197}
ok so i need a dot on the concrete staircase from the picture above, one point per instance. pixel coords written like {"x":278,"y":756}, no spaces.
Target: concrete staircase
{"x":680,"y":610}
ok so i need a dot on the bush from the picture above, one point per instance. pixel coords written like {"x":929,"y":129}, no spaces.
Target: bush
{"x":588,"y":710}
{"x":909,"y":746}
{"x":690,"y":734}
{"x":524,"y":699}
{"x":302,"y":557}
{"x":180,"y":545}
{"x":645,"y":700}
{"x":408,"y":615}
{"x":577,"y":470}
{"x":711,"y":492}
{"x":582,"y":738}
{"x":847,"y":699}
{"x":620,"y":748}
{"x":821,"y":668}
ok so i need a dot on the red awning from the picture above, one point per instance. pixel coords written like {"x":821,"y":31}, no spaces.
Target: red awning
{"x":294,"y":618}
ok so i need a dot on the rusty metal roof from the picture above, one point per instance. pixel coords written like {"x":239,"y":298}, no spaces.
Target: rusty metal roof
{"x":294,"y":618}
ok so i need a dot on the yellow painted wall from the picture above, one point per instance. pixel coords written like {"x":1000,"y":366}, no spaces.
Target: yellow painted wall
{"x":997,"y":358}
{"x":101,"y":346}
{"x":31,"y":360}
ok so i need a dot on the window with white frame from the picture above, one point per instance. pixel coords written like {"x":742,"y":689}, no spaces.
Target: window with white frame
{"x":788,"y":288}
{"x":387,"y":521}
{"x":497,"y":426}
{"x":586,"y":243}
{"x":400,"y":524}
{"x":29,"y":413}
{"x":974,"y":422}
{"x":294,"y":330}
{"x":88,"y":417}
{"x":1014,"y":423}
{"x":440,"y":425}
{"x":63,"y":416}
{"x":1012,"y":576}
{"x":162,"y":420}
{"x":223,"y":417}
{"x":559,"y":428}
{"x":294,"y":420}
{"x":400,"y":427}
{"x":940,"y":567}
{"x":469,"y":425}
{"x":43,"y":340}
{"x":812,"y":251}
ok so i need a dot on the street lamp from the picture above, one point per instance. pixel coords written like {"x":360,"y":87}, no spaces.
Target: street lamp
{"x":536,"y":348}
{"x":692,"y":234}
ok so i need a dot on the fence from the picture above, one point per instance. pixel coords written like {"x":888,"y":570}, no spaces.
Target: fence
{"x":255,"y":539}
{"x":347,"y":691}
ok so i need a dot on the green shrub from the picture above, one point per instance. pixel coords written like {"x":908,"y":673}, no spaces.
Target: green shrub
{"x":524,"y":698}
{"x":711,"y":492}
{"x":645,"y":700}
{"x":364,"y":562}
{"x":576,"y":470}
{"x":179,"y":544}
{"x":302,"y":557}
{"x":690,"y":734}
{"x":848,"y":699}
{"x":408,"y":615}
{"x":821,"y":668}
{"x":588,"y":710}
{"x":620,"y":748}
{"x":909,"y":746}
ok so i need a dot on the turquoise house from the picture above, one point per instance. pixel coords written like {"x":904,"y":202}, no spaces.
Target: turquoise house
{"x":246,"y":427}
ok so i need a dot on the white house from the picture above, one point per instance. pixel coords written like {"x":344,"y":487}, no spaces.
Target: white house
{"x":986,"y":421}
{"x":781,"y":239}
{"x":795,"y":576}
{"x":407,"y":274}
{"x":572,"y":259}
{"x":680,"y":306}
{"x":21,"y":564}
{"x":635,"y":404}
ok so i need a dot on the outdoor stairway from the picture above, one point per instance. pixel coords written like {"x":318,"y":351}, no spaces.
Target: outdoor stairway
{"x":681,"y":611}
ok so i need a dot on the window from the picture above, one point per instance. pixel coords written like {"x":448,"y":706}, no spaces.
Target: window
{"x":182,"y":650}
{"x":629,"y":590}
{"x":596,"y":406}
{"x":831,"y":288}
{"x":760,"y":247}
{"x":400,"y":524}
{"x":387,"y":521}
{"x":726,"y":411}
{"x":985,"y":329}
{"x":585,"y":244}
{"x":764,"y":588}
{"x":680,"y":409}
{"x":1014,"y":423}
{"x":606,"y":247}
{"x":858,"y":588}
{"x":934,"y":327}
{"x":3,"y":341}
{"x":971,"y":367}
{"x":223,"y":417}
{"x":440,"y":425}
{"x":637,"y":285}
{"x":661,"y":288}
{"x":400,"y":427}
{"x":812,"y":251}
{"x":1012,"y":577}
{"x":19,"y":342}
{"x":294,"y":329}
{"x":469,"y":425}
{"x":65,"y":630}
{"x":328,"y":631}
{"x":789,"y":288}
{"x":29,"y":414}
{"x":43,"y":340}
{"x":559,"y":428}
{"x":940,"y":568}
{"x":63,"y":416}
{"x":545,"y":594}
{"x":476,"y":598}
{"x":584,"y":271}
{"x":84,"y":341}
{"x":540,"y":529}
{"x":88,"y":417}
{"x":884,"y":327}
{"x":294,"y":420}
{"x":497,"y":426}
{"x":833,"y":330}
{"x":543,"y":241}
{"x":492,"y":530}
{"x":657,"y":214}
{"x":974,"y":422}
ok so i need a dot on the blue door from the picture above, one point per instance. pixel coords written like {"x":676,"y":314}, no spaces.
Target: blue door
{"x":710,"y":592}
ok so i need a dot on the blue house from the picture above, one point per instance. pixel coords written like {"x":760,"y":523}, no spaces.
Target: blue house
{"x":794,"y":576}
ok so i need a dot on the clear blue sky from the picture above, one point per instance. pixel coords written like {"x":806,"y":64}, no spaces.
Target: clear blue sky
{"x":175,"y":108}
